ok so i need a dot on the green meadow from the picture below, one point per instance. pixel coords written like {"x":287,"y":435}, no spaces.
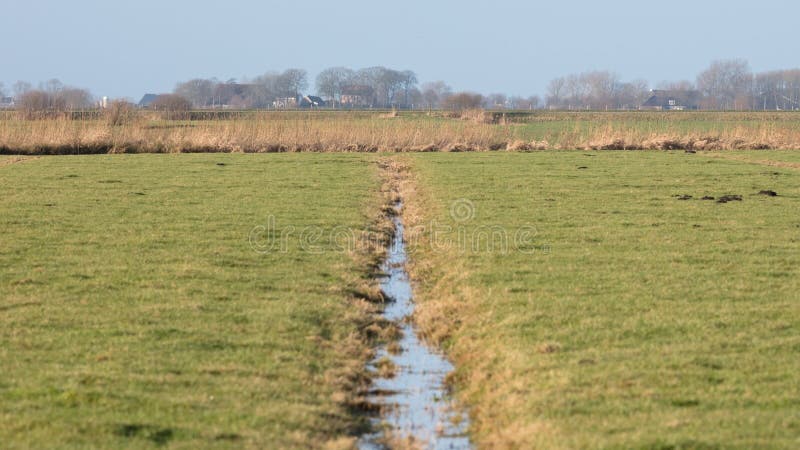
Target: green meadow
{"x":632,"y":318}
{"x":142,"y":306}
{"x":134,"y":311}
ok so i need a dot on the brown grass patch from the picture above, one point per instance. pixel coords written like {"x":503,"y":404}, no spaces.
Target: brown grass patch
{"x":471,"y":130}
{"x":258,"y":133}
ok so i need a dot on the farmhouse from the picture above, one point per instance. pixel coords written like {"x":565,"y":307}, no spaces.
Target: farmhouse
{"x":312,"y":101}
{"x":285,"y":103}
{"x":6,"y":102}
{"x":663,"y":100}
{"x":147,"y":100}
{"x":355,"y":96}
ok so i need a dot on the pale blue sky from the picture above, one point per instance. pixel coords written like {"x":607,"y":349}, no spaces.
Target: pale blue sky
{"x":514,"y":47}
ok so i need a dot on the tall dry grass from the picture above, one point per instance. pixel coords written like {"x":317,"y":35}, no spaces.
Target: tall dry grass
{"x":365,"y":132}
{"x":258,"y":133}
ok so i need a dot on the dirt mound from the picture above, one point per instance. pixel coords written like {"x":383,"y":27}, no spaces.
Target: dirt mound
{"x":459,"y":147}
{"x":614,"y":144}
{"x":729,"y":198}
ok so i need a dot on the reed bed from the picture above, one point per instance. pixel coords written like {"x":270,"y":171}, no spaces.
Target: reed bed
{"x":376,"y":132}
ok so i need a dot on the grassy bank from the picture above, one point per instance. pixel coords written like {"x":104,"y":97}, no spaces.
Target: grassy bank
{"x":255,"y":132}
{"x":135,"y":312}
{"x":631,"y":319}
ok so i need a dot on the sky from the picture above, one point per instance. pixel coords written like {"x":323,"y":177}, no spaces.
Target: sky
{"x":125,"y":49}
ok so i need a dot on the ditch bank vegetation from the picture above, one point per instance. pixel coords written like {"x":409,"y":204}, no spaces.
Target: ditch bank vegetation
{"x":270,"y":132}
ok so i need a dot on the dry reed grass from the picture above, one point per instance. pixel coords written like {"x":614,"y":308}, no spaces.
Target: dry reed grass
{"x":759,"y":137}
{"x":259,"y":134}
{"x":473,"y":130}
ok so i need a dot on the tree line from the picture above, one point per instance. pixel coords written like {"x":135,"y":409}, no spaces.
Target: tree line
{"x":50,"y":96}
{"x":724,"y":85}
{"x":375,"y":87}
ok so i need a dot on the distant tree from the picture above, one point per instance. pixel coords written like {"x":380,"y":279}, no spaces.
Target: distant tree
{"x":21,"y":87}
{"x":40,"y":103}
{"x":260,"y":95}
{"x":174,"y":106}
{"x":631,"y":95}
{"x":391,"y":83}
{"x":75,"y":98}
{"x":529,"y":103}
{"x":52,"y":86}
{"x":415,"y":100}
{"x":386,"y":83}
{"x":36,"y":104}
{"x":292,"y":82}
{"x":496,"y":101}
{"x":433,"y":93}
{"x":198,"y":91}
{"x":267,"y":87}
{"x":408,"y":80}
{"x":726,"y":84}
{"x":330,"y":82}
{"x":462,"y":101}
{"x":555,"y":92}
{"x":777,"y":90}
{"x":599,"y":90}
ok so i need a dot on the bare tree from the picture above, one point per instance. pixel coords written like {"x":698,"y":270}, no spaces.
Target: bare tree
{"x":292,"y":82}
{"x":267,"y":87}
{"x":21,"y":87}
{"x":385,"y":82}
{"x":726,"y":84}
{"x":174,"y":106}
{"x":462,"y":101}
{"x":496,"y":101}
{"x":74,"y":98}
{"x":433,"y":93}
{"x":555,"y":92}
{"x":409,"y":82}
{"x":529,"y":103}
{"x":632,"y":95}
{"x":198,"y":91}
{"x":330,"y":82}
{"x":52,"y":86}
{"x":415,"y":98}
{"x":595,"y":90}
{"x":777,"y":90}
{"x":35,"y":104}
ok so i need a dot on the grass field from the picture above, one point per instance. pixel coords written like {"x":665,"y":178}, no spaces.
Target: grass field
{"x":633,"y":319}
{"x":134,"y":312}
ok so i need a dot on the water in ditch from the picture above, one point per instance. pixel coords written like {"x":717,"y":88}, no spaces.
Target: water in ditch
{"x":416,"y":407}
